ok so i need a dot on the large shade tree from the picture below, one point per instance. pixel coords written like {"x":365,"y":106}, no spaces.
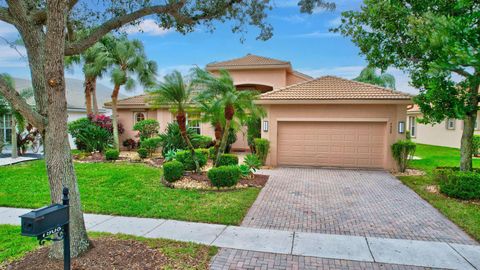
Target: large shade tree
{"x":129,"y":62}
{"x":438,"y":43}
{"x":49,"y":30}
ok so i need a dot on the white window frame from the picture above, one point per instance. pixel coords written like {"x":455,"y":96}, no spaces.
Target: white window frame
{"x":135,"y":116}
{"x":6,"y":125}
{"x":412,"y":122}
{"x":451,"y":120}
{"x":199,"y":127}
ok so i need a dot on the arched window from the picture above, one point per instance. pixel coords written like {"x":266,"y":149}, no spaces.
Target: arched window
{"x":139,"y":116}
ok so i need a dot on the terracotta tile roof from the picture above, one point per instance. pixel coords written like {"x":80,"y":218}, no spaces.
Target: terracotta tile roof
{"x":249,"y":61}
{"x":303,"y":75}
{"x":135,"y":100}
{"x":334,"y":88}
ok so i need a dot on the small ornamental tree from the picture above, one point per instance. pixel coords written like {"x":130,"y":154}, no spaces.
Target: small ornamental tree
{"x":147,"y":128}
{"x":437,"y":43}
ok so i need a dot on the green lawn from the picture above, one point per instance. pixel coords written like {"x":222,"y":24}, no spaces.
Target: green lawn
{"x":464,"y":214}
{"x":125,"y":189}
{"x":181,"y":255}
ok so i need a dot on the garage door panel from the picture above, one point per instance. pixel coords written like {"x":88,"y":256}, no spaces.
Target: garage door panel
{"x":338,"y":144}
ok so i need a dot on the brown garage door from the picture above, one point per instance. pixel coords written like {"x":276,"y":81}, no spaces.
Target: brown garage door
{"x":335,"y":144}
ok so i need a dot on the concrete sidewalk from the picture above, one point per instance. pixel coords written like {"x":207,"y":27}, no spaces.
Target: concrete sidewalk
{"x":355,"y":248}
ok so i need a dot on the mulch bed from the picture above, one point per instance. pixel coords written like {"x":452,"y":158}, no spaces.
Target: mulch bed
{"x":201,"y":182}
{"x":107,"y":253}
{"x":259,"y":180}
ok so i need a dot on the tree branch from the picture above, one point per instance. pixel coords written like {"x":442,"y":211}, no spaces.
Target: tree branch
{"x":20,"y":105}
{"x":115,"y":23}
{"x":5,"y":16}
{"x":462,"y":72}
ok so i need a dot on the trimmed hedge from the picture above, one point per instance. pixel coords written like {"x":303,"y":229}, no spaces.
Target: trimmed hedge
{"x":152,"y":144}
{"x":227,"y":160}
{"x":211,"y":152}
{"x":457,"y":184}
{"x":112,"y":154}
{"x":224,"y":176}
{"x":173,"y":170}
{"x":200,"y":141}
{"x":142,"y":153}
{"x":185,"y":157}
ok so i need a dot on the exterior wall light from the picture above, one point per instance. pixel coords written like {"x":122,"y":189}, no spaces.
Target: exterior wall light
{"x":265,"y":126}
{"x":401,"y":127}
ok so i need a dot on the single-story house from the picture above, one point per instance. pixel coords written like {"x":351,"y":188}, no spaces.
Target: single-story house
{"x":328,"y":121}
{"x":447,"y":133}
{"x":75,"y":104}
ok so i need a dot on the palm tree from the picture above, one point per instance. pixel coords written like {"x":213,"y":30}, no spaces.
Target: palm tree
{"x":236,"y":105}
{"x":369,"y":75}
{"x":129,"y":59}
{"x":96,"y":61}
{"x":177,"y":93}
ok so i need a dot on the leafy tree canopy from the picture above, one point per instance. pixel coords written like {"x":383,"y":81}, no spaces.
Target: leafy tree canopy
{"x":435,"y":41}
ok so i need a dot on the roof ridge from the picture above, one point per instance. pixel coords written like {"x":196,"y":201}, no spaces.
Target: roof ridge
{"x":372,"y":85}
{"x":282,"y":62}
{"x":127,"y":98}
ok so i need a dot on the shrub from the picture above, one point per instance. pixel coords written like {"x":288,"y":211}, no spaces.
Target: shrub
{"x":200,"y":141}
{"x":212,"y":152}
{"x":170,"y":155}
{"x":402,"y":151}
{"x":262,"y":147}
{"x":129,"y":144}
{"x":476,"y":144}
{"x":231,"y":139}
{"x":172,"y":138}
{"x":245,"y":171}
{"x":185,"y":157}
{"x":227,"y":159}
{"x":253,"y":162}
{"x":142,"y":153}
{"x":152,"y":144}
{"x":173,"y":170}
{"x":105,"y":122}
{"x":224,"y":176}
{"x":147,"y":128}
{"x":112,"y":154}
{"x":408,"y":135}
{"x":457,"y":184}
{"x":253,"y":131}
{"x":93,"y":133}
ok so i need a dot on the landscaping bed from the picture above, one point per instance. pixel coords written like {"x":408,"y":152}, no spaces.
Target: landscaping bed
{"x":200,"y":181}
{"x":117,"y":252}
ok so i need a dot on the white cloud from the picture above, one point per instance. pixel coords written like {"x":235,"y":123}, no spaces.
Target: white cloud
{"x":7,"y":30}
{"x":10,"y":57}
{"x":335,"y":22}
{"x":147,"y":26}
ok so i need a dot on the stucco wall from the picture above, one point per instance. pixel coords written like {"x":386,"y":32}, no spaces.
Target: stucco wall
{"x":438,"y":134}
{"x":294,"y":79}
{"x":390,"y":114}
{"x":272,"y":77}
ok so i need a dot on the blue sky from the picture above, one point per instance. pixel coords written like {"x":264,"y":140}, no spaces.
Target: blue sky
{"x":302,"y":39}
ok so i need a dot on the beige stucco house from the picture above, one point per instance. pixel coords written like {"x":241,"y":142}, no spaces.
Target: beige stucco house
{"x":447,"y":133}
{"x":327,"y":121}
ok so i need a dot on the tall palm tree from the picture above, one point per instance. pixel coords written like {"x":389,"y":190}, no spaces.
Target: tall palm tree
{"x":96,"y":60}
{"x":236,"y":105}
{"x":369,"y":75}
{"x":177,"y":93}
{"x":129,"y":60}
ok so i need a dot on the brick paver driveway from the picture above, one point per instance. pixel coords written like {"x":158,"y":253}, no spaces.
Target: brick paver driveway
{"x":335,"y":201}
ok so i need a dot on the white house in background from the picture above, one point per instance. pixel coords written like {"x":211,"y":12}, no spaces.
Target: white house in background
{"x":447,"y":133}
{"x":75,"y":104}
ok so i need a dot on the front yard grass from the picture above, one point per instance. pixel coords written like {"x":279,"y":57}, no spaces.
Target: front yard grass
{"x":465,"y":214}
{"x":181,"y":255}
{"x":125,"y":189}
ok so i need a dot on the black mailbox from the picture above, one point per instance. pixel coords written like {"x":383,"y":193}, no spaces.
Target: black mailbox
{"x":45,"y":220}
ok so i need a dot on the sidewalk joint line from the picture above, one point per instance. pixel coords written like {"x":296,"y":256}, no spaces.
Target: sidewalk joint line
{"x":161,"y":223}
{"x":211,"y":244}
{"x":293,"y":242}
{"x":449,"y":244}
{"x":111,"y":217}
{"x":369,"y":249}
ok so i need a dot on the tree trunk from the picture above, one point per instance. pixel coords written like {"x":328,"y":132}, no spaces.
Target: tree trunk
{"x":88,"y":95}
{"x":58,"y":157}
{"x":116,"y":143}
{"x":182,"y":124}
{"x":229,"y":112}
{"x":94,"y":95}
{"x":14,"y":137}
{"x":466,"y":146}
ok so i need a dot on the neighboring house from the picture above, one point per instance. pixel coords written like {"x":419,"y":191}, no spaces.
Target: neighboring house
{"x":75,"y":103}
{"x":327,"y":121}
{"x":447,"y":133}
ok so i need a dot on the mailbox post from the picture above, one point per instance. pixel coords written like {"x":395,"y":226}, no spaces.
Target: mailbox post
{"x":46,"y":222}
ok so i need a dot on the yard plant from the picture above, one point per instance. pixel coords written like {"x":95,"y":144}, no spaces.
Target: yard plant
{"x":173,"y":170}
{"x":402,"y":152}
{"x":147,"y":128}
{"x":262,"y":147}
{"x":224,"y":176}
{"x":112,"y":154}
{"x":192,"y":163}
{"x":228,"y":159}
